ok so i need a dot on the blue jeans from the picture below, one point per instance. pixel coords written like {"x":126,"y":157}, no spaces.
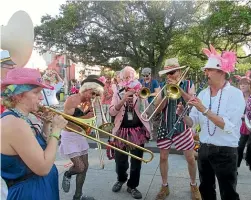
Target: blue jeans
{"x":219,"y":161}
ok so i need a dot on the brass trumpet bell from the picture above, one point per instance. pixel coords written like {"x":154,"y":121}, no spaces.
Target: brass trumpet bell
{"x":144,"y":93}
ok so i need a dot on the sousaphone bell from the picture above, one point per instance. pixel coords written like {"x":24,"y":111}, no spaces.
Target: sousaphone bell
{"x":17,"y":37}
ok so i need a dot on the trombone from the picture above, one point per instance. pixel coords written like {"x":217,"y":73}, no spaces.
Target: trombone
{"x":101,"y":155}
{"x":172,"y":92}
{"x":81,"y":128}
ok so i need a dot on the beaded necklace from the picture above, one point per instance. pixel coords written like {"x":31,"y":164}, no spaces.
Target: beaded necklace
{"x":218,"y":109}
{"x":20,"y":114}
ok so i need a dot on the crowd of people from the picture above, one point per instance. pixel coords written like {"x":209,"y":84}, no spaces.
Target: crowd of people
{"x":29,"y":148}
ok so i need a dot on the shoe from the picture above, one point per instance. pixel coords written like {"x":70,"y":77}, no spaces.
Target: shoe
{"x":195,"y":193}
{"x":87,"y":198}
{"x":135,"y":193}
{"x":163,"y":193}
{"x":80,"y":197}
{"x":66,"y":183}
{"x":117,"y":186}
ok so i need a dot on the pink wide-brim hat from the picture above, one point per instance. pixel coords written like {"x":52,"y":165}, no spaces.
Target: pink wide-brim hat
{"x":20,"y":76}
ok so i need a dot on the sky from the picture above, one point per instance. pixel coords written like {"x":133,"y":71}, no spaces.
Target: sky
{"x":36,"y":9}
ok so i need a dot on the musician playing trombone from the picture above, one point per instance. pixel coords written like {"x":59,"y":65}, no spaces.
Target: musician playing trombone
{"x":75,"y":146}
{"x":27,"y":159}
{"x":126,"y":107}
{"x":184,"y":139}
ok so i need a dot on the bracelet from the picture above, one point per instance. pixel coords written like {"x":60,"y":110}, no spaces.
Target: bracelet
{"x":205,"y":112}
{"x":55,"y":135}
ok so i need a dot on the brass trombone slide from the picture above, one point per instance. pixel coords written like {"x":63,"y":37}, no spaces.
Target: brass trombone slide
{"x":81,"y":125}
{"x":101,"y":155}
{"x":173,"y":92}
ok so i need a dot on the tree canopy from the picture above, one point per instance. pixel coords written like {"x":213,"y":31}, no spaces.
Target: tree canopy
{"x":145,"y":33}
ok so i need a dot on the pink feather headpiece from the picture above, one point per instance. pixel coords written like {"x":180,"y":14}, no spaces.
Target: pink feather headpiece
{"x":224,"y":62}
{"x":247,"y":76}
{"x":102,"y":79}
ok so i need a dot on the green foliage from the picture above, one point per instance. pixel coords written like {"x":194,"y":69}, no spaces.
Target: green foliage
{"x":145,"y":33}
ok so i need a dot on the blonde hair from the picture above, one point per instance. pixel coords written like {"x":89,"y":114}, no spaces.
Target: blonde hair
{"x":92,"y":85}
{"x":8,"y":102}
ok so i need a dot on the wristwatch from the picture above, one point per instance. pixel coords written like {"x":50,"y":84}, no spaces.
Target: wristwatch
{"x":205,"y":112}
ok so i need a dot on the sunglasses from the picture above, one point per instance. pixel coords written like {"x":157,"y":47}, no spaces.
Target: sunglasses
{"x":145,"y":75}
{"x":171,"y":73}
{"x":95,"y":94}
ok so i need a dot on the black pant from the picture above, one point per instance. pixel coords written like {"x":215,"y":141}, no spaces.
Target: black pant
{"x":242,"y":143}
{"x":122,"y":166}
{"x":222,"y":162}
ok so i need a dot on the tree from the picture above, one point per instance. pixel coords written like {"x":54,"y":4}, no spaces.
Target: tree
{"x":227,"y":25}
{"x":134,"y":33}
{"x":145,"y":33}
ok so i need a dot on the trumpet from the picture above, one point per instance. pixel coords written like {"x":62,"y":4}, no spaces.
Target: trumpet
{"x":172,"y":92}
{"x":144,"y":93}
{"x":79,"y":126}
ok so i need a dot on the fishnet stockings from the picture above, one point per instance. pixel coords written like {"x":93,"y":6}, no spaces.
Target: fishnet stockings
{"x":80,"y":167}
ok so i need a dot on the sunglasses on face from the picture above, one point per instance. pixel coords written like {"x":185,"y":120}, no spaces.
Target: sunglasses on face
{"x":171,"y":73}
{"x":145,"y":75}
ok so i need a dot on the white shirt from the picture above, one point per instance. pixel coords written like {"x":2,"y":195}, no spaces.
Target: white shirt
{"x":52,"y":94}
{"x":231,"y":109}
{"x":4,"y":190}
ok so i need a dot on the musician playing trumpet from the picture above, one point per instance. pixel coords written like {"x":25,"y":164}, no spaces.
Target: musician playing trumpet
{"x":75,"y":146}
{"x":183,"y":138}
{"x":126,"y":107}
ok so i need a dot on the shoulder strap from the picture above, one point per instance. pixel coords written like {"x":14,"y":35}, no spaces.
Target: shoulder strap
{"x":8,"y":113}
{"x":188,"y":85}
{"x":45,"y":97}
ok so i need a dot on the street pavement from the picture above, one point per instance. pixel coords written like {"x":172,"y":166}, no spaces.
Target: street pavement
{"x":99,"y":181}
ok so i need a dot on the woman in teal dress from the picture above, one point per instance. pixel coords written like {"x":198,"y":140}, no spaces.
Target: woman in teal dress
{"x":27,"y":158}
